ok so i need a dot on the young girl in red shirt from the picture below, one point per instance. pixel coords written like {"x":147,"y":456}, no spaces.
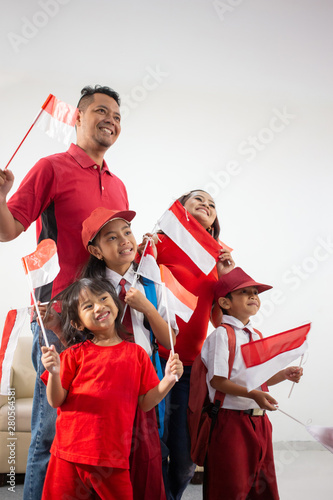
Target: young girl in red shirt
{"x":96,"y":384}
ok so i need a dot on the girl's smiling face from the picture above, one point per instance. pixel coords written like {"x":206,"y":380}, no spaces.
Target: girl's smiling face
{"x":97,"y":312}
{"x":116,"y":245}
{"x":202,"y":207}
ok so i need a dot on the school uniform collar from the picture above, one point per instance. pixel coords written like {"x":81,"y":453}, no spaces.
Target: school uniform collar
{"x":115,"y":277}
{"x":84,"y":160}
{"x":232,"y":321}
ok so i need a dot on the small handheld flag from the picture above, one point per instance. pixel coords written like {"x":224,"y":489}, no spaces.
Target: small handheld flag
{"x":56,"y":118}
{"x":41,"y":267}
{"x":265,"y":357}
{"x":324,"y":435}
{"x":148,"y":266}
{"x":181,"y":301}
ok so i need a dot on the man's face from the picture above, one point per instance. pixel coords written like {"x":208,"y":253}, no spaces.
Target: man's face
{"x":98,"y":126}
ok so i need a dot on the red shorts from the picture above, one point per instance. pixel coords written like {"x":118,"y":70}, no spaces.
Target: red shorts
{"x":71,"y":481}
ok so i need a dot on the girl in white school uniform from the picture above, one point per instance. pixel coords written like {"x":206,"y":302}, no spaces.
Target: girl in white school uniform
{"x":107,"y":235}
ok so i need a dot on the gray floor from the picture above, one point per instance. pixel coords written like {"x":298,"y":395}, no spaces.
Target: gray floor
{"x":302,"y":475}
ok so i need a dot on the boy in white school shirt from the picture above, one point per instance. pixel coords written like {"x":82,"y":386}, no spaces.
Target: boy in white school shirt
{"x":239,"y":463}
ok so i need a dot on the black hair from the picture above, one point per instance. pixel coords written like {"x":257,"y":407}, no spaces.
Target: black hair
{"x":88,"y":92}
{"x":69,"y":299}
{"x":95,"y":268}
{"x":228,"y":296}
{"x":214,"y":229}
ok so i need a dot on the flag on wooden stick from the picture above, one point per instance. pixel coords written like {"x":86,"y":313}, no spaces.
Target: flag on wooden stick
{"x":181,"y":301}
{"x":56,"y":118}
{"x":41,"y":267}
{"x":324,"y":435}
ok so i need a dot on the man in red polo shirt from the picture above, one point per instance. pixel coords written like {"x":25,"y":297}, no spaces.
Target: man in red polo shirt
{"x":59,"y":193}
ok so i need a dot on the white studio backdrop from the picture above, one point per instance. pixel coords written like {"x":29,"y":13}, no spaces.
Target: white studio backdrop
{"x":232,"y":96}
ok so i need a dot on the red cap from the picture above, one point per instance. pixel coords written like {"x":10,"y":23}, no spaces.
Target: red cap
{"x":98,"y":218}
{"x":235,"y":280}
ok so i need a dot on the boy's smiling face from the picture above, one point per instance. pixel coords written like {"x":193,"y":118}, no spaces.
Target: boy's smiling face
{"x":243,"y":303}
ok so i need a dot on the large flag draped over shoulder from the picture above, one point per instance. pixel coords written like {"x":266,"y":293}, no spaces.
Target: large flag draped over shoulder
{"x":42,"y":266}
{"x":191,"y":237}
{"x":13,"y":325}
{"x":265,"y":357}
{"x":58,"y":119}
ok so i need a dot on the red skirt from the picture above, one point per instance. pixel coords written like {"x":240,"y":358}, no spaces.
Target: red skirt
{"x":146,"y":458}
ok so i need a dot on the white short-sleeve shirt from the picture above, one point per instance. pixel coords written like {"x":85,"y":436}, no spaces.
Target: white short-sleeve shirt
{"x":215,"y":356}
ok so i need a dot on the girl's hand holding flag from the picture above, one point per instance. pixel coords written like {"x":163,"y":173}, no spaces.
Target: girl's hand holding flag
{"x":173,"y":371}
{"x":51,"y":359}
{"x":174,"y":368}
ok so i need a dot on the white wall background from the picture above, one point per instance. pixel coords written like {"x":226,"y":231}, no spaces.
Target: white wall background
{"x":233,"y":96}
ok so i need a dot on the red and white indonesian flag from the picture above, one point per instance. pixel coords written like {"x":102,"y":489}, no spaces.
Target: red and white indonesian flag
{"x":323,"y":435}
{"x":42,"y":266}
{"x":148,"y":267}
{"x":191,"y":237}
{"x":265,"y":357}
{"x":57,"y":119}
{"x":180,"y":301}
{"x":14,"y":323}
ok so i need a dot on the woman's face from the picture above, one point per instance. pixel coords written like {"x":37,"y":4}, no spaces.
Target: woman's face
{"x":201,"y":205}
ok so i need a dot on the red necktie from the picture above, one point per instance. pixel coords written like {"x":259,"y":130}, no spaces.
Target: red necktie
{"x":264,"y":386}
{"x":247,"y":330}
{"x":127,"y":320}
